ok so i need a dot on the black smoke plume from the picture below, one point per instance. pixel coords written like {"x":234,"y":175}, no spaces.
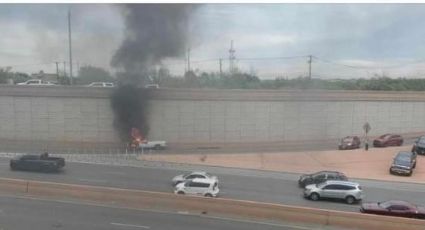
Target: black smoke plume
{"x":153,"y":32}
{"x":130,"y":105}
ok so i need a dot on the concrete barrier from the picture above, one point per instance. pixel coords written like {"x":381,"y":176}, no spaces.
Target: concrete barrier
{"x":210,"y":206}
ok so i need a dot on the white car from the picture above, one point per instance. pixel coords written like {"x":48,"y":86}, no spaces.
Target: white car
{"x":152,"y":86}
{"x":36,"y":82}
{"x":193,"y":175}
{"x":101,"y":84}
{"x":199,"y":187}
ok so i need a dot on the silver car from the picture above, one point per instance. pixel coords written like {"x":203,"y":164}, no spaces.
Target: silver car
{"x":351,"y":192}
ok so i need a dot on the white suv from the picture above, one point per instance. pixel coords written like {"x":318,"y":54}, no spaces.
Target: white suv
{"x":36,"y":82}
{"x":198,"y":186}
{"x":332,"y":189}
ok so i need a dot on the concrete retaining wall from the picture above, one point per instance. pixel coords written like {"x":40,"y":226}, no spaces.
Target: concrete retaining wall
{"x":209,"y":206}
{"x":49,"y":117}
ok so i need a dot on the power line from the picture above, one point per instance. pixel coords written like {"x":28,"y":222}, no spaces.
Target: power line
{"x":368,"y":67}
{"x":272,"y":58}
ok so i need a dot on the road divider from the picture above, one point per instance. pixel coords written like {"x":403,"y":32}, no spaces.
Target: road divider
{"x":206,"y":206}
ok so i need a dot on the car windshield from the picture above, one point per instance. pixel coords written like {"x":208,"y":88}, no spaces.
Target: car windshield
{"x":348,"y":139}
{"x":402,"y":161}
{"x":320,"y":185}
{"x":421,"y":140}
{"x":386,"y":204}
{"x":385,"y":136}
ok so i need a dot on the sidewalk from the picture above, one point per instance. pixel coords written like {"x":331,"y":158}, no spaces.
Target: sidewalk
{"x":372,"y":164}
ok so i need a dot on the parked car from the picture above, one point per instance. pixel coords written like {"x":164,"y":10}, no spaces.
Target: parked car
{"x":320,"y":177}
{"x":419,"y":146}
{"x":388,"y":140}
{"x":394,"y":208}
{"x":192,"y":175}
{"x":349,"y":142}
{"x":36,"y":82}
{"x":101,"y":84}
{"x":198,"y":186}
{"x":41,"y":162}
{"x":351,"y":192}
{"x":403,"y":163}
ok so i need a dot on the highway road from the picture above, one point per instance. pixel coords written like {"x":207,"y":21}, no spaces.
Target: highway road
{"x":38,"y":214}
{"x":273,"y":187}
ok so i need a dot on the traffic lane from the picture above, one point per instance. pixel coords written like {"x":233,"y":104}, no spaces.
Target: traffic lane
{"x":37,"y":214}
{"x":262,"y":189}
{"x":101,"y":175}
{"x":274,"y":191}
{"x":322,"y":146}
{"x":241,"y":186}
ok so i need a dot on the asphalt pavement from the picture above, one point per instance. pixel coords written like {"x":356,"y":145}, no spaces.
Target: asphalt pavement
{"x":243,"y":184}
{"x":37,"y":214}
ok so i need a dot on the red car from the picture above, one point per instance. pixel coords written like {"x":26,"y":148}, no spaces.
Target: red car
{"x":394,"y":208}
{"x":388,"y":140}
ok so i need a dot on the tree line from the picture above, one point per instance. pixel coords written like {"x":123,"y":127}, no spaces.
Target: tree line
{"x":235,"y":80}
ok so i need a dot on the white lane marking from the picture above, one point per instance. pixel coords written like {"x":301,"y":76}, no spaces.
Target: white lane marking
{"x":131,"y":225}
{"x":76,"y":202}
{"x":116,"y":173}
{"x":261,"y":223}
{"x":92,"y":180}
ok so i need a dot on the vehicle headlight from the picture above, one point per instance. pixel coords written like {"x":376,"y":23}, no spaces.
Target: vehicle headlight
{"x":348,"y":143}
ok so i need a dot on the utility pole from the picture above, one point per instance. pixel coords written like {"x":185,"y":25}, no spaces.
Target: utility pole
{"x":231,"y":58}
{"x":57,"y":71}
{"x":221,"y":69}
{"x":310,"y":60}
{"x":188,"y":60}
{"x":70,"y":46}
{"x":64,"y":69}
{"x":78,"y":68}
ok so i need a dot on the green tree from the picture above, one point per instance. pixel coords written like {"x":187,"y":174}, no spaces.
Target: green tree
{"x":5,"y":75}
{"x":89,"y":74}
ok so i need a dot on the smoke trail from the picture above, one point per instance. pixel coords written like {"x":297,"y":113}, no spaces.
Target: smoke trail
{"x":130,"y":105}
{"x":153,"y":32}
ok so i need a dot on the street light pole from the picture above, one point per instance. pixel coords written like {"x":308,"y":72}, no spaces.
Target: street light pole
{"x":70,"y":46}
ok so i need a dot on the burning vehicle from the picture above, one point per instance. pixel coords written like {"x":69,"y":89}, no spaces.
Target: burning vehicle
{"x":139,"y":142}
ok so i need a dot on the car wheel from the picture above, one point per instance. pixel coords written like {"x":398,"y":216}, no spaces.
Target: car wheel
{"x":401,"y":143}
{"x":314,"y":196}
{"x":180,"y":192}
{"x":13,"y":167}
{"x":350,"y":199}
{"x":391,"y":172}
{"x":410,"y":173}
{"x":414,"y":165}
{"x":208,"y":195}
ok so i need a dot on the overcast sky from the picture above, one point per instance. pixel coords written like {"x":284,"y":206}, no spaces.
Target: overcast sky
{"x":347,"y":40}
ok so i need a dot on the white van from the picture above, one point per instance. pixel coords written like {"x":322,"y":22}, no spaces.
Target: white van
{"x":199,"y":187}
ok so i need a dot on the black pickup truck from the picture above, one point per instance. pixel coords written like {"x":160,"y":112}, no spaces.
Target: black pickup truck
{"x":41,"y":162}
